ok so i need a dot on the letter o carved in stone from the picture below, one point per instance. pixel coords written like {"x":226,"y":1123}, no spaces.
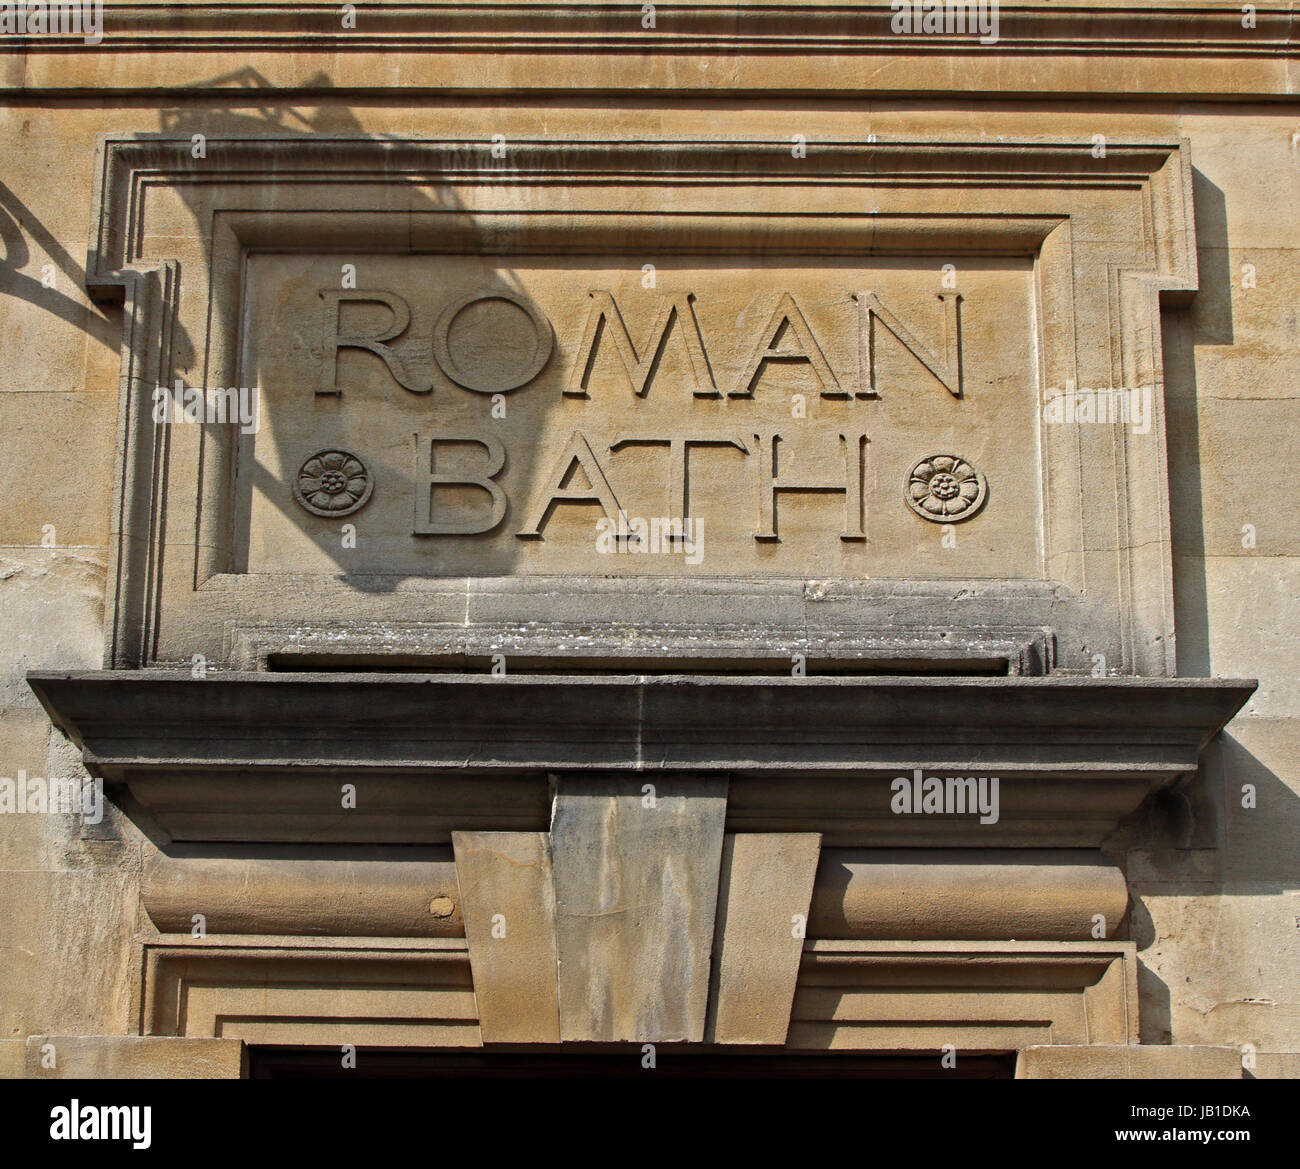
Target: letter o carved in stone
{"x":482,"y":343}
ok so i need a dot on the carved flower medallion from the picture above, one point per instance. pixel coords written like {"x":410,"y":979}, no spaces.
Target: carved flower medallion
{"x":945,"y":489}
{"x":333,"y":483}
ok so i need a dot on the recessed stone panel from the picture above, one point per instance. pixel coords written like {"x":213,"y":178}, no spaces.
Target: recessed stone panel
{"x":494,"y":415}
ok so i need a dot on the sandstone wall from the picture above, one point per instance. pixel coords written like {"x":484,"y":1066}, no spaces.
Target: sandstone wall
{"x":1216,"y":917}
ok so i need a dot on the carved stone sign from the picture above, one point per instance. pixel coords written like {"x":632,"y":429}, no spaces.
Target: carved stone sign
{"x":732,"y":400}
{"x":498,"y":416}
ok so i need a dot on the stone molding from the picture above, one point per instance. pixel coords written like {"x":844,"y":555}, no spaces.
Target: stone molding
{"x":884,"y":996}
{"x":977,"y":996}
{"x":816,"y":47}
{"x":975,"y":894}
{"x":384,"y":893}
{"x":381,"y":992}
{"x":864,"y":894}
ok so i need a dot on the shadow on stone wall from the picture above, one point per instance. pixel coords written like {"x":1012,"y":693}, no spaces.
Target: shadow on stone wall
{"x":257,"y":112}
{"x":17,"y":225}
{"x":1230,"y":831}
{"x":1208,"y":321}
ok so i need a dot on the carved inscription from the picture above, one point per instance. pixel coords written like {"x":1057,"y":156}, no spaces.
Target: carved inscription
{"x":557,"y":414}
{"x":785,"y":338}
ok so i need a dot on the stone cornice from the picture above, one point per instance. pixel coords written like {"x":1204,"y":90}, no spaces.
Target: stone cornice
{"x":261,"y":757}
{"x":469,"y":723}
{"x":127,"y":162}
{"x":693,"y":48}
{"x":856,"y":29}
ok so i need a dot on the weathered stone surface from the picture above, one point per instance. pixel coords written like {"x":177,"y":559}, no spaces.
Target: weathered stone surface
{"x":636,"y":886}
{"x":1061,"y":1062}
{"x":765,"y":884}
{"x":67,"y":941}
{"x":1245,"y":597}
{"x":508,"y":893}
{"x":1276,"y":1065}
{"x":51,"y":432}
{"x":134,"y":1057}
{"x":53,"y":606}
{"x":13,"y":1059}
{"x":659,"y":437}
{"x":266,"y":569}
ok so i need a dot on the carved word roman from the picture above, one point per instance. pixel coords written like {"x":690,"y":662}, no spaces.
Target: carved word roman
{"x":785,"y":338}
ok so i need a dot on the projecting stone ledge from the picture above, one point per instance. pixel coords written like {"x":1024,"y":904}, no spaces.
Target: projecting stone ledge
{"x":260,"y":756}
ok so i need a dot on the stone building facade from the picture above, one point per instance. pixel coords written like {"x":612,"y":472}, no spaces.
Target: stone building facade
{"x":734,"y":532}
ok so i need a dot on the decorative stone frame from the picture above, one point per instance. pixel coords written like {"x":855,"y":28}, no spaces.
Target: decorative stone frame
{"x":1109,"y":237}
{"x":399,"y":992}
